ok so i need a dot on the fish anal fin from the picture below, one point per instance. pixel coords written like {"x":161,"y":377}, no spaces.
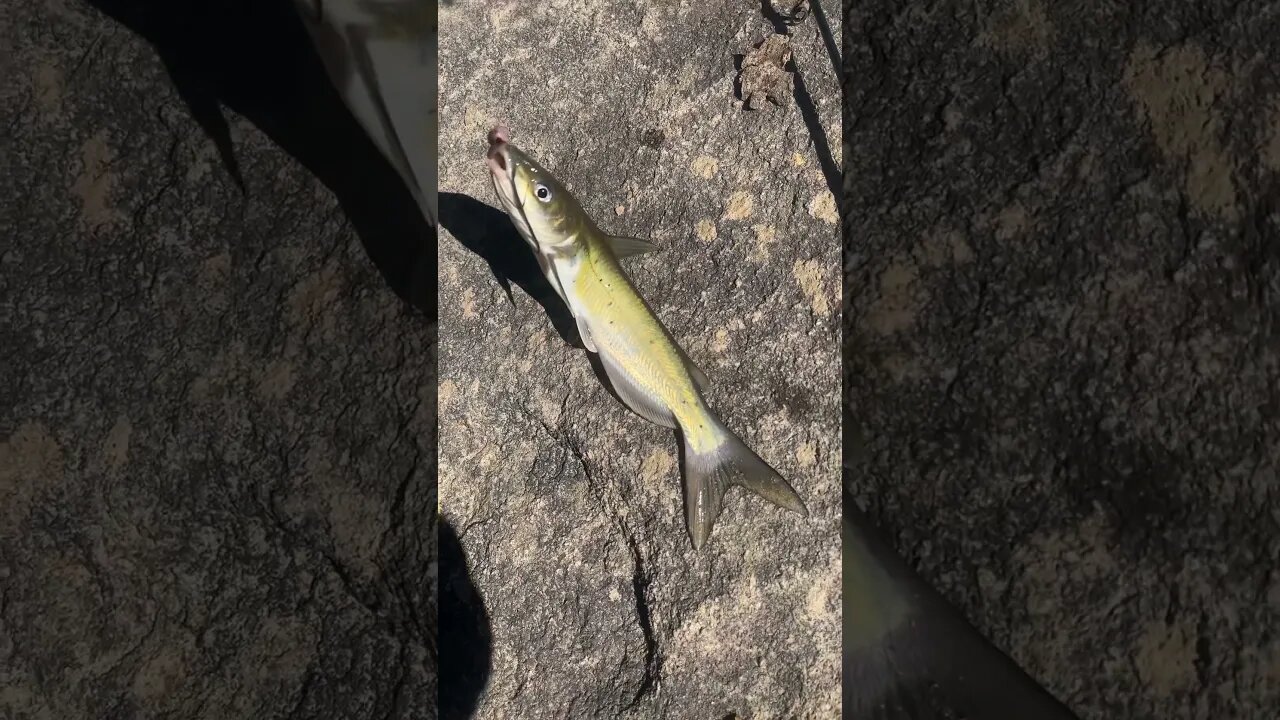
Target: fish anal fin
{"x":633,"y":396}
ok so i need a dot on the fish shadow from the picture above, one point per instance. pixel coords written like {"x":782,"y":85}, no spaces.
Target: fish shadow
{"x":466,"y":637}
{"x":256,"y":59}
{"x":488,"y":232}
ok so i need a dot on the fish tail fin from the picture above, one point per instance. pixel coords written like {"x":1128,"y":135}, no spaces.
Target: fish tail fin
{"x":909,"y":654}
{"x":709,"y":473}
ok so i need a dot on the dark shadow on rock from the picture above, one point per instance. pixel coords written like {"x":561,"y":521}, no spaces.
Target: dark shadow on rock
{"x":828,"y":38}
{"x":804,"y":100}
{"x":466,"y":640}
{"x":256,"y":59}
{"x":488,"y":232}
{"x":816,"y":133}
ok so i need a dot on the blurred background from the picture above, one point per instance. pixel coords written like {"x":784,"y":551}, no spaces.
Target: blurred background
{"x":217,"y":387}
{"x":1062,"y":371}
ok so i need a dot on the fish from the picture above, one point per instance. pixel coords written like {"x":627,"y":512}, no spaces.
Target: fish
{"x":649,"y":371}
{"x":381,"y":57}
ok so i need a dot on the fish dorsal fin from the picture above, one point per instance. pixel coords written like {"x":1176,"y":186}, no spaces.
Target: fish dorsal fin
{"x":623,"y":246}
{"x":635,"y":397}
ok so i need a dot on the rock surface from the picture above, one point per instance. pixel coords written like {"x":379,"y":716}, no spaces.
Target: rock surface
{"x":217,"y":408}
{"x":568,"y":506}
{"x":1064,"y":282}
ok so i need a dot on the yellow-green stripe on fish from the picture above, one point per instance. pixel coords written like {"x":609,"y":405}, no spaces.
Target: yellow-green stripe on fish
{"x":646,"y":367}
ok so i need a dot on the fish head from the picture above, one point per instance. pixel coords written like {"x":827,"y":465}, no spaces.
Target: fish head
{"x":544,"y":211}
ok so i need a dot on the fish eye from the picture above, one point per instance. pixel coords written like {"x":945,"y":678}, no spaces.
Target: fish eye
{"x":542,"y":192}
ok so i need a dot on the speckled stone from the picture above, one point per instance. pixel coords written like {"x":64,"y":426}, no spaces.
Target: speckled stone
{"x":569,"y":506}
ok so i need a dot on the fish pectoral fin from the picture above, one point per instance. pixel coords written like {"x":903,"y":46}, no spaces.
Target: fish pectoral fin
{"x":624,"y":246}
{"x":585,"y":333}
{"x":635,"y":397}
{"x":553,"y":277}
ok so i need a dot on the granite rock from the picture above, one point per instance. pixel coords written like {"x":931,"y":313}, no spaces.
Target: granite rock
{"x":569,"y":506}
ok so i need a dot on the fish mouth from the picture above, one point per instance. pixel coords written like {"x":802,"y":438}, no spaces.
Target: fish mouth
{"x":502,"y":168}
{"x":499,"y":156}
{"x":502,"y":171}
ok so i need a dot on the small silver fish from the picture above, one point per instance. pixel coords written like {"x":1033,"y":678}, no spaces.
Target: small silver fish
{"x":648,"y":370}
